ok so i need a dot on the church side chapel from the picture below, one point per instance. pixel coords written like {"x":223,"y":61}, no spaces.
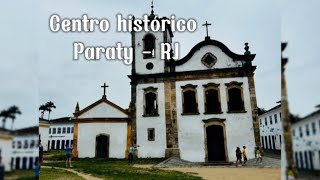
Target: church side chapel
{"x":199,"y":108}
{"x":101,"y":130}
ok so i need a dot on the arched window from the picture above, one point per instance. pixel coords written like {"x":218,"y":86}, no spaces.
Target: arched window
{"x":189,"y":99}
{"x":58,"y":144}
{"x":59,"y":130}
{"x":19,"y":144}
{"x":25,"y":146}
{"x":212,"y":98}
{"x":33,"y":143}
{"x":149,"y":45}
{"x":150,"y":102}
{"x":63,"y":144}
{"x":235,"y":97}
{"x":53,"y":146}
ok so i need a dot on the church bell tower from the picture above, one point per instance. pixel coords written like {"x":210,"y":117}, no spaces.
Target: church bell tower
{"x":149,"y":113}
{"x":147,"y":44}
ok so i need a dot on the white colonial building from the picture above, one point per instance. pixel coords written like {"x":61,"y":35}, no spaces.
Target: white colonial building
{"x":271,"y":128}
{"x":25,"y":149}
{"x":56,"y":133}
{"x":60,"y":133}
{"x":306,"y":142}
{"x":19,"y":148}
{"x":199,"y":108}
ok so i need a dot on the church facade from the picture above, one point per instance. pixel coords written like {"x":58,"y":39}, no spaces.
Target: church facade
{"x":199,"y":108}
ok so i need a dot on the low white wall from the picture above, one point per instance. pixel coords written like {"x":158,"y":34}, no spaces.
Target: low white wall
{"x":44,"y":135}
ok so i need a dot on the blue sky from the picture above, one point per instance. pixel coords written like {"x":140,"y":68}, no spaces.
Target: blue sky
{"x":38,"y":65}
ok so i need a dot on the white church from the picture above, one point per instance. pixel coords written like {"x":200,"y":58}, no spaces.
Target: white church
{"x":199,"y":108}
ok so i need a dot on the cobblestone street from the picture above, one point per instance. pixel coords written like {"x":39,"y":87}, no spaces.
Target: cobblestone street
{"x":268,"y":169}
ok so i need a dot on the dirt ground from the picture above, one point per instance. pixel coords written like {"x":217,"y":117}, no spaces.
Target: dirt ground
{"x":228,"y":173}
{"x":233,"y":173}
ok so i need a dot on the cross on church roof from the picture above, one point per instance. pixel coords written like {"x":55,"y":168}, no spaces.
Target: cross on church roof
{"x":152,"y":7}
{"x":207,"y":24}
{"x":104,"y":90}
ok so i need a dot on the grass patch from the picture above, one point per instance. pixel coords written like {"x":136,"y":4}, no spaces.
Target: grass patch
{"x":55,"y":155}
{"x":58,"y":174}
{"x":20,"y":174}
{"x":120,"y":169}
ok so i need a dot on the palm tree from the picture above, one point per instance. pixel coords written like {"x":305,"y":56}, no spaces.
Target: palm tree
{"x":49,"y":106}
{"x":13,"y":111}
{"x":4,"y":114}
{"x":43,"y":108}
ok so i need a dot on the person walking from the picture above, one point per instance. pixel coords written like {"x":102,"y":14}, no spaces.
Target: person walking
{"x":130,"y":156}
{"x":68,"y":155}
{"x":258,"y":155}
{"x":244,"y":154}
{"x":40,"y":152}
{"x":37,"y":170}
{"x":238,"y":154}
{"x":2,"y":168}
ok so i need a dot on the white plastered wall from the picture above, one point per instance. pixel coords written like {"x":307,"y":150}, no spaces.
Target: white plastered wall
{"x":223,"y":60}
{"x":238,"y":126}
{"x":157,"y":147}
{"x":87,"y":133}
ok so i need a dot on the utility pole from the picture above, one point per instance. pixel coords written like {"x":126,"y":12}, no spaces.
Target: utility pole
{"x":286,"y":121}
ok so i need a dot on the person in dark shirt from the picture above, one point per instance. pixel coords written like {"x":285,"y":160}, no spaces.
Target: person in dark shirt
{"x":40,"y":152}
{"x":1,"y":169}
{"x":238,"y":154}
{"x":68,"y":154}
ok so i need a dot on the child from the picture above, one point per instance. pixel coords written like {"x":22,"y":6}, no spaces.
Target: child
{"x":244,"y":153}
{"x":130,"y":157}
{"x":258,"y":155}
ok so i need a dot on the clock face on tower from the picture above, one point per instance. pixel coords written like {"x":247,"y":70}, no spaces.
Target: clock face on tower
{"x":209,"y":60}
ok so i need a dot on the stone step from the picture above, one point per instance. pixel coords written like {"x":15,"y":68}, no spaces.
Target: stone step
{"x":217,"y":163}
